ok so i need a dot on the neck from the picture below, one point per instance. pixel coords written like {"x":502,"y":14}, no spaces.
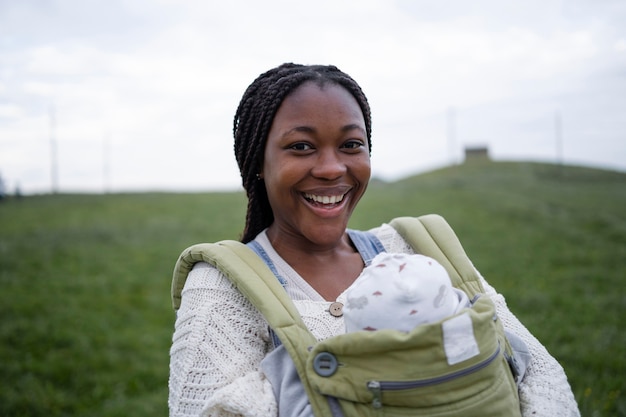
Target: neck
{"x":329,"y":268}
{"x":286,"y":243}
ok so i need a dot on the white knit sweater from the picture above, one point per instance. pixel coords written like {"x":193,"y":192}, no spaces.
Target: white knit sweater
{"x":220,"y":340}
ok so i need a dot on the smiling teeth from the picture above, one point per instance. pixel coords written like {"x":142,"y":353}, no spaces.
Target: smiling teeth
{"x":325,"y":199}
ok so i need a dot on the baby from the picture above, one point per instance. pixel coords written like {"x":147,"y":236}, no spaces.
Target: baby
{"x":401,"y":291}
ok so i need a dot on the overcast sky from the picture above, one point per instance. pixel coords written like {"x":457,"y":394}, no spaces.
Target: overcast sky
{"x":140,"y":94}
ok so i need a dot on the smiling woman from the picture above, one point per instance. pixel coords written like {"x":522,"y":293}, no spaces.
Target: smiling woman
{"x":303,"y":142}
{"x":255,"y":121}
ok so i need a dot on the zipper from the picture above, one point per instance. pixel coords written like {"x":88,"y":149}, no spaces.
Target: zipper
{"x":377,"y":387}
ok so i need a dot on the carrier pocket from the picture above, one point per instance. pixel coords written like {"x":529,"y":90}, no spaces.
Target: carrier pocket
{"x":377,"y":388}
{"x":479,"y":392}
{"x":390,"y":373}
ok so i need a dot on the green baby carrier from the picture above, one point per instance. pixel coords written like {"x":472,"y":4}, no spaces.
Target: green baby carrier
{"x":460,"y":366}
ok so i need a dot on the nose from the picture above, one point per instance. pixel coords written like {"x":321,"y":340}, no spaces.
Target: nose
{"x":329,"y":165}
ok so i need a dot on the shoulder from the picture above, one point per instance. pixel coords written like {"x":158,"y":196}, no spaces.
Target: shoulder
{"x":204,"y":275}
{"x":209,"y":297}
{"x":207,"y":288}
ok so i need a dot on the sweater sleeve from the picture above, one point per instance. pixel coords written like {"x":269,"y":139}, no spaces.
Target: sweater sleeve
{"x":218,"y":343}
{"x":544,"y":391}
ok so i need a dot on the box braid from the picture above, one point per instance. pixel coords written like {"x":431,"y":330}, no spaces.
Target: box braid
{"x":253,"y":121}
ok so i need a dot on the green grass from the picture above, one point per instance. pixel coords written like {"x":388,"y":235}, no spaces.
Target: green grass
{"x":85,"y":316}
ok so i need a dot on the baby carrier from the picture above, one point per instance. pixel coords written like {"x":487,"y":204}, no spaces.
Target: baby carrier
{"x":460,"y":366}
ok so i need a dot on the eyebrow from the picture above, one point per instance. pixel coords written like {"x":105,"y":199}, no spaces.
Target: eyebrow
{"x":308,"y":129}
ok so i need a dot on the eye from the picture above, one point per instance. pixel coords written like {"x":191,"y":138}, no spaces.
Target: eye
{"x":301,"y":146}
{"x":353,"y":144}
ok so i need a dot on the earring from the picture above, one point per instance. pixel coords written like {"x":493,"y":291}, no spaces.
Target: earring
{"x":258,"y":177}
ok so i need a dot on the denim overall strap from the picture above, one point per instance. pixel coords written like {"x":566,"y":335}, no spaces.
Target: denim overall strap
{"x":366,"y":244}
{"x":258,"y":249}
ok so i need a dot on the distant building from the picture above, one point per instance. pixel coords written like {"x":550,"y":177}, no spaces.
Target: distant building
{"x":476,"y":153}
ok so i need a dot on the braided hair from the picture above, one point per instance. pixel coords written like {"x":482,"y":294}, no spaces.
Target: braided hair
{"x":253,"y":121}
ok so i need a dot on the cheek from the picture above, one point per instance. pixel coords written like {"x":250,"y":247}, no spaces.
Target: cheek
{"x":364,"y":169}
{"x":279,"y":180}
{"x":277,"y":174}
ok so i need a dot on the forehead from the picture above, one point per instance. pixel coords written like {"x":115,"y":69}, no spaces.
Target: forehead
{"x":312,"y":99}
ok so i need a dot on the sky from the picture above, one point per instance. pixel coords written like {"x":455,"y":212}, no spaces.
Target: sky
{"x":139,"y":95}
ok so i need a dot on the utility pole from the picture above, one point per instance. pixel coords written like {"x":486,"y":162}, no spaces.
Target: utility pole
{"x":106,"y":167}
{"x":558,"y":136}
{"x":451,"y":130}
{"x":54,"y":167}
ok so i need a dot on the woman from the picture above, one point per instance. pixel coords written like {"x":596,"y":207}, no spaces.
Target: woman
{"x":302,"y":142}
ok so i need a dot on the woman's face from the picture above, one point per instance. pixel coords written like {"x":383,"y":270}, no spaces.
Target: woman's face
{"x":316,"y":164}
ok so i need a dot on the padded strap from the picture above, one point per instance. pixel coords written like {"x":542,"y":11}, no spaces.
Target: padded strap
{"x":432,"y":236}
{"x":259,"y":285}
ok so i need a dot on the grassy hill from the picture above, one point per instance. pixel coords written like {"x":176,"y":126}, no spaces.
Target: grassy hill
{"x":85,"y":316}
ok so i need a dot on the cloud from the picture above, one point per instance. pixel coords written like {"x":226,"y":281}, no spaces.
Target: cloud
{"x":160,"y":81}
{"x":10,"y":111}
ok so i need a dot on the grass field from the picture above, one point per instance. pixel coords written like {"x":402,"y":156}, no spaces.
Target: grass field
{"x":85,"y":315}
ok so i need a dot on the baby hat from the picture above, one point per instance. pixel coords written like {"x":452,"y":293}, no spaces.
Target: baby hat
{"x":399,"y":291}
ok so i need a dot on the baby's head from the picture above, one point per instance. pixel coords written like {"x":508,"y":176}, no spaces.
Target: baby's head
{"x":399,"y":291}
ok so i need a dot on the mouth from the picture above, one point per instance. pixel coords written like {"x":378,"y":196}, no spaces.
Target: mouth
{"x":327,"y":201}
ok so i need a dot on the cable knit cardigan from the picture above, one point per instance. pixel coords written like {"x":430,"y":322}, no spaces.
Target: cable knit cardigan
{"x":220,"y":340}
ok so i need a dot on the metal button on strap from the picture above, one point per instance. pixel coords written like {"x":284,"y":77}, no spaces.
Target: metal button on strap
{"x":325,"y":364}
{"x":336,"y":309}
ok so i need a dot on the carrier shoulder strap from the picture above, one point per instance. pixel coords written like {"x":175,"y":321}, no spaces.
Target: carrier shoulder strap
{"x":253,"y":278}
{"x":431,"y":235}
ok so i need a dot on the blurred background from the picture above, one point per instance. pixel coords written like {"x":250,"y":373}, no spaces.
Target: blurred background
{"x":506,"y":117}
{"x":134,"y":95}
